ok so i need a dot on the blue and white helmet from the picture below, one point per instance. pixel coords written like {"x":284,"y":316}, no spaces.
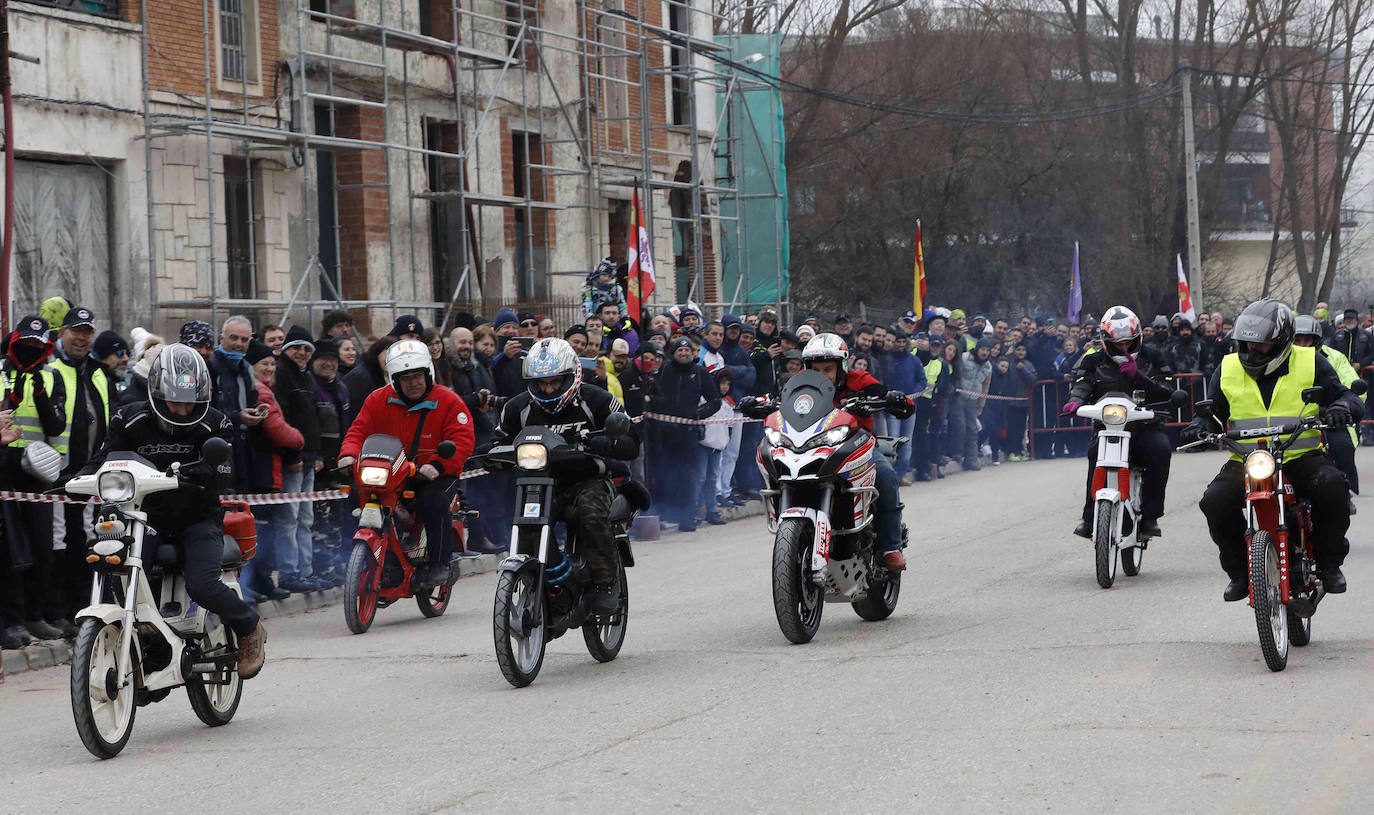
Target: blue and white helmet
{"x":553,"y":357}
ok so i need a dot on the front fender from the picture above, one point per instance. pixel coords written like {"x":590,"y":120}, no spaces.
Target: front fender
{"x":516,"y":563}
{"x":105,"y":612}
{"x":1108,"y":495}
{"x":374,"y":541}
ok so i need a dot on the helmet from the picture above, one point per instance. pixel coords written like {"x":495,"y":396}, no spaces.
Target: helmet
{"x":553,"y":357}
{"x":1120,"y":326}
{"x":1268,"y":321}
{"x":407,"y":356}
{"x":1306,"y":326}
{"x":179,"y":374}
{"x":826,"y":346}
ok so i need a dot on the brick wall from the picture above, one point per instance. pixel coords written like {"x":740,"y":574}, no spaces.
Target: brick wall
{"x":362,"y":210}
{"x":176,"y":47}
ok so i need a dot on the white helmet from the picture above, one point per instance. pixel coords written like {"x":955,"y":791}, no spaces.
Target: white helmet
{"x":1121,"y":332}
{"x":553,"y":357}
{"x":407,"y":356}
{"x":826,"y":347}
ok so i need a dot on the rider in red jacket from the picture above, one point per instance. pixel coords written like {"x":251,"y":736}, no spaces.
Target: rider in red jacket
{"x":421,"y":414}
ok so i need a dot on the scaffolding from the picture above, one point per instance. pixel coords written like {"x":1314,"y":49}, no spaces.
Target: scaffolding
{"x":423,"y":88}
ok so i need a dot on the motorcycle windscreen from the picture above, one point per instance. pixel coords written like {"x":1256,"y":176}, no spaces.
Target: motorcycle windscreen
{"x":383,"y":446}
{"x":808,"y":398}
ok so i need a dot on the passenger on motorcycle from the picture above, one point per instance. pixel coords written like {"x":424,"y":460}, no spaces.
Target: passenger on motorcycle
{"x":556,"y":397}
{"x":171,"y":427}
{"x":1125,"y":364}
{"x":1308,"y":334}
{"x":1261,"y":385}
{"x":422,"y":414}
{"x":828,"y":355}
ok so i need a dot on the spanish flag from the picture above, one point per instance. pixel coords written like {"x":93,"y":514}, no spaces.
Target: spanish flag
{"x":918,"y":292}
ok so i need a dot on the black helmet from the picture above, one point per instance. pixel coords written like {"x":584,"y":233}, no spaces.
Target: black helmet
{"x":1307,"y":326}
{"x":1268,"y":321}
{"x":179,"y":374}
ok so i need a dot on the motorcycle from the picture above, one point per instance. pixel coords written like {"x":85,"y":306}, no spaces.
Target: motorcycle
{"x":540,"y":593}
{"x":1116,"y":484}
{"x":818,"y":462}
{"x":134,"y":644}
{"x":1285,"y":587}
{"x":390,"y":542}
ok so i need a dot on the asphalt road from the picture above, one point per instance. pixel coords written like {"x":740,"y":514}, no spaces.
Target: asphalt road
{"x":1007,"y":681}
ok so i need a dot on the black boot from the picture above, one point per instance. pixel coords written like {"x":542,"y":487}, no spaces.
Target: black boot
{"x":1082,"y":530}
{"x":1350,"y":505}
{"x":1333,"y":580}
{"x":604,"y":600}
{"x":1237,"y":589}
{"x":1149,"y":528}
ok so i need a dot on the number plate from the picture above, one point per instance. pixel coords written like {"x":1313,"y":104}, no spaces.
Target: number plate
{"x":532,"y":510}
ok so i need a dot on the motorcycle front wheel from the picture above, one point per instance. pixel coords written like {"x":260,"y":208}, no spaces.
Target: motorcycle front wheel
{"x":360,"y":592}
{"x":797,"y":600}
{"x":604,"y":641}
{"x":517,"y":623}
{"x":1271,"y":618}
{"x":103,"y":711}
{"x":1105,"y":543}
{"x":215,"y":704}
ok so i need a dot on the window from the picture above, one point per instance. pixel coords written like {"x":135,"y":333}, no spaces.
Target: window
{"x":520,"y":13}
{"x":532,"y":226}
{"x":238,"y":41}
{"x":446,"y":228}
{"x":680,"y":61}
{"x":238,"y":229}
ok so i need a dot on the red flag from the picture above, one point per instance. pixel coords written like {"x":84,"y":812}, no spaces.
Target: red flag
{"x":641,"y":261}
{"x":919,"y":289}
{"x":1185,"y":295}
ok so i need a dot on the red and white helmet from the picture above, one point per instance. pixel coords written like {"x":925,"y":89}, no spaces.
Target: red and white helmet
{"x":1121,"y":332}
{"x":826,"y":346}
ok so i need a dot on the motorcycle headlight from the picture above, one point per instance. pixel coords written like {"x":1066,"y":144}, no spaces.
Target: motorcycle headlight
{"x":831,"y":437}
{"x":532,"y":456}
{"x":775,"y":437}
{"x":1259,"y":465}
{"x":1114,"y":414}
{"x":374,"y":476}
{"x":116,"y":487}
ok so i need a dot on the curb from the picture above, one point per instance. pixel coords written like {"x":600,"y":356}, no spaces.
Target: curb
{"x":51,"y":653}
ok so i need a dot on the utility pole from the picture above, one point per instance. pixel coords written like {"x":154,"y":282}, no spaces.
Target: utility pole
{"x":1190,"y":174}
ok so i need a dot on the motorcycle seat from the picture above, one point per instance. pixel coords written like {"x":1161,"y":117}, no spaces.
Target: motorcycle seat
{"x":168,"y":555}
{"x":631,"y":497}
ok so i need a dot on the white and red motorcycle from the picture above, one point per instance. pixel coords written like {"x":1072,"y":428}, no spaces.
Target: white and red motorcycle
{"x":822,"y":487}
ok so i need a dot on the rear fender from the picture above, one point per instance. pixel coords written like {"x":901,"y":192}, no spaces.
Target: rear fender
{"x":627,"y":555}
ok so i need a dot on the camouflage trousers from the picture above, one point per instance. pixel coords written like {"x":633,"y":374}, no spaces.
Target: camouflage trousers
{"x":588,"y":509}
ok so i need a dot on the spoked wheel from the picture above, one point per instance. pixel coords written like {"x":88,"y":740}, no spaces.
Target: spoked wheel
{"x":360,"y":590}
{"x":215,"y":703}
{"x":881,"y":598}
{"x":797,"y":600}
{"x":517,"y":623}
{"x":433,"y":601}
{"x":1271,"y":618}
{"x":104,"y":711}
{"x":1105,"y":543}
{"x":1131,"y":558}
{"x":604,"y":641}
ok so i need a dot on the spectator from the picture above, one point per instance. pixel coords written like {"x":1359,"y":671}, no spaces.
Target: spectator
{"x":366,"y":376}
{"x":348,"y":355}
{"x":435,"y":343}
{"x":406,"y":327}
{"x":274,"y":337}
{"x":689,"y":316}
{"x":527,"y":325}
{"x":792,"y":363}
{"x":715,"y":438}
{"x":473,"y":383}
{"x":662,"y":322}
{"x":954,"y":361}
{"x":1068,"y":359}
{"x":1184,"y":354}
{"x":610,"y":365}
{"x":54,"y":311}
{"x":336,"y":324}
{"x":968,"y":404}
{"x":577,"y":337}
{"x":332,"y":410}
{"x":236,"y":396}
{"x":276,"y":438}
{"x":601,"y":288}
{"x":484,"y":344}
{"x":742,"y":376}
{"x":685,"y":389}
{"x":547,"y":329}
{"x":113,"y":353}
{"x":1351,"y":341}
{"x":906,"y":374}
{"x":925,"y":431}
{"x":614,"y":327}
{"x":1016,"y":384}
{"x":844,"y":329}
{"x":137,"y":390}
{"x":295,"y":392}
{"x":505,"y":368}
{"x":199,"y":335}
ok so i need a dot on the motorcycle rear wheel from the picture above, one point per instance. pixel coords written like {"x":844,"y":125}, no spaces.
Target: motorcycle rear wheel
{"x":880,"y":599}
{"x":518,"y":626}
{"x":104,"y":712}
{"x":1131,"y":558}
{"x":797,"y":600}
{"x":1271,"y":617}
{"x":433,"y":601}
{"x":1105,"y":544}
{"x":1299,"y":629}
{"x":215,"y":705}
{"x":360,"y":596}
{"x":604,"y":641}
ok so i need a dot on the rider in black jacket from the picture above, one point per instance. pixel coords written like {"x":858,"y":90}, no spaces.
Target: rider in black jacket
{"x":555,"y":397}
{"x":1124,"y":364}
{"x":170,"y":429}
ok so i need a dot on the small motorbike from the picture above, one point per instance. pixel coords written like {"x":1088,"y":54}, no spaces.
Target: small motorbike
{"x":1116,"y":484}
{"x":819,"y":465}
{"x":540,"y":594}
{"x":390,"y":542}
{"x":1285,"y":587}
{"x":138,"y":645}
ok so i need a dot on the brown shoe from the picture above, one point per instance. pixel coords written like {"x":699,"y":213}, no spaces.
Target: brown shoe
{"x":894,"y":561}
{"x":252,"y":652}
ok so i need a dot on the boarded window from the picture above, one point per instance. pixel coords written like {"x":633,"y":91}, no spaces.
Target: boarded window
{"x":61,"y":237}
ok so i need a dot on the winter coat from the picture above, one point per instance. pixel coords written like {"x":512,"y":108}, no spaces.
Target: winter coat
{"x":236,"y":391}
{"x":468,"y":379}
{"x":1184,"y":358}
{"x":506,"y":373}
{"x":974,"y":379}
{"x":360,"y":383}
{"x":440,"y":416}
{"x":1355,"y":344}
{"x":904,"y":373}
{"x":281,"y":436}
{"x":331,"y":407}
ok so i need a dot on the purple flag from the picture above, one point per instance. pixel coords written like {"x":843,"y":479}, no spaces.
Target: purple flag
{"x":1075,"y":289}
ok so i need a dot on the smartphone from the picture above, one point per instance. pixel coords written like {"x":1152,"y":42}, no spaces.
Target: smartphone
{"x":526,"y":342}
{"x":588,"y":363}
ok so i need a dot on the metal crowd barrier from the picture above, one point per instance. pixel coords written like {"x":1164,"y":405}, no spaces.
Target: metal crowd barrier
{"x":1056,"y":436}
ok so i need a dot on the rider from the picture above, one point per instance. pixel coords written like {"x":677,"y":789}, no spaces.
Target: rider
{"x":1125,"y":364}
{"x":171,"y":427}
{"x":1307,"y":333}
{"x":1261,"y":385}
{"x":828,"y":355}
{"x":422,"y":414}
{"x":556,"y":397}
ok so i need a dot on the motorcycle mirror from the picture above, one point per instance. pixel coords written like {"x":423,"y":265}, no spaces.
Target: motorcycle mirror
{"x":446,"y":449}
{"x":1359,"y":387}
{"x":618,"y":424}
{"x":215,"y":451}
{"x":1313,"y":395}
{"x":1138,"y":396}
{"x":1203,"y":407}
{"x":1178,"y":398}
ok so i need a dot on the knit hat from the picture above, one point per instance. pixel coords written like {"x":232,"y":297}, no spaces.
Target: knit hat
{"x":325,"y":347}
{"x":298,"y":335}
{"x":405,"y":324}
{"x":197,"y":333}
{"x":257,"y":351}
{"x":503,"y":316}
{"x":108,"y":342}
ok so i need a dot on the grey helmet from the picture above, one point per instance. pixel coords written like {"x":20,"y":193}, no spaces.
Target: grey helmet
{"x":549,"y":358}
{"x":179,"y":374}
{"x":1307,"y":326}
{"x":1268,"y":321}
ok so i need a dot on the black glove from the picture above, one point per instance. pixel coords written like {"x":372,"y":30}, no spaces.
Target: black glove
{"x":898,"y":405}
{"x":1193,"y":432}
{"x":1338,"y":416}
{"x":896,"y":398}
{"x":601,"y":445}
{"x":200,"y":474}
